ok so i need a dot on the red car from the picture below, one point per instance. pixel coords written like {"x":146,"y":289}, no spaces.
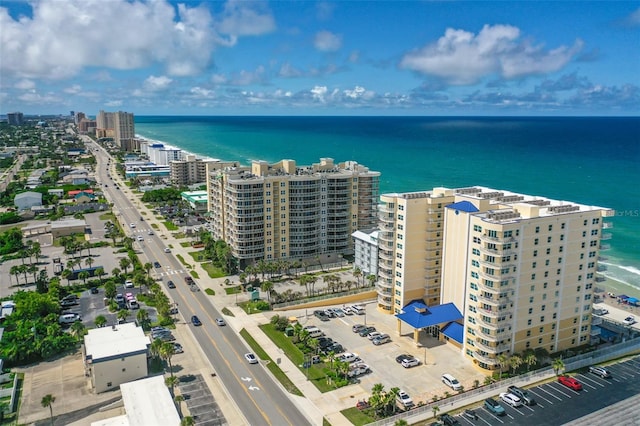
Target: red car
{"x":570,"y":382}
{"x":361,"y":405}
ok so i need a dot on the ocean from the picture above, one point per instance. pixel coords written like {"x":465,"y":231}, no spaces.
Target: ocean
{"x":593,"y":161}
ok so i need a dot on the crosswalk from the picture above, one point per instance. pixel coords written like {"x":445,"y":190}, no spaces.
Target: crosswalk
{"x":171,"y":272}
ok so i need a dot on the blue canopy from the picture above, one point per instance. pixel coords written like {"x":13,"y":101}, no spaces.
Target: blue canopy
{"x":419,"y":315}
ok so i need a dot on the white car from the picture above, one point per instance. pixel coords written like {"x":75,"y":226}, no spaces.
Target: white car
{"x":128,"y":284}
{"x":404,"y":399}
{"x":510,"y":399}
{"x":373,"y":335}
{"x":140,"y":238}
{"x":132,"y":225}
{"x":630,"y":320}
{"x":251,"y":358}
{"x":167,"y":250}
{"x":150,"y":232}
{"x":410,"y":362}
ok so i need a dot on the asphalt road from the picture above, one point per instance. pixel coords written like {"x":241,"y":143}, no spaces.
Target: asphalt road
{"x":259,"y":399}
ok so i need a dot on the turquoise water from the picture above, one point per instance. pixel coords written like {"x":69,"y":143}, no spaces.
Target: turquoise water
{"x":592,"y":161}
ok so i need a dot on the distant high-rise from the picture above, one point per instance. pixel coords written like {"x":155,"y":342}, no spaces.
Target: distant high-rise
{"x":15,"y":118}
{"x":78,"y":117}
{"x":123,"y":124}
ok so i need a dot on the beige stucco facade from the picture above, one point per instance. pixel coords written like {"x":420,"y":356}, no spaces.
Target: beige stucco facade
{"x":520,"y":268}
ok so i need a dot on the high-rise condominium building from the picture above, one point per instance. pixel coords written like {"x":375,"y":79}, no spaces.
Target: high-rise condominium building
{"x":192,"y":170}
{"x":15,"y":118}
{"x":520,"y":268}
{"x":124,"y":128}
{"x":274,"y":211}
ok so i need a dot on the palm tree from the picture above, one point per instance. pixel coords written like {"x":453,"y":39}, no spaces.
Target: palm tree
{"x":124,"y":264}
{"x":502,"y":362}
{"x":178,"y":400}
{"x":47,"y":401}
{"x":187,"y":421}
{"x":100,"y":321}
{"x":530,"y":360}
{"x":147,"y":267}
{"x":89,"y":261}
{"x":171,"y":382}
{"x":558,"y":365}
{"x":167,"y":350}
{"x":154,"y":349}
{"x":100,"y":272}
{"x":435,"y":410}
{"x":488,"y":380}
{"x":143,"y":318}
{"x":14,"y":270}
{"x":83,"y":276}
{"x":390,"y":399}
{"x":66,"y":274}
{"x":372,"y":279}
{"x":515,"y":362}
{"x":357,"y":273}
{"x":116,"y":273}
{"x":123,"y":314}
{"x":267,"y":286}
{"x":376,"y":400}
{"x":78,"y":330}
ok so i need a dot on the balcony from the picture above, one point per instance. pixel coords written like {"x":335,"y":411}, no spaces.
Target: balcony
{"x":497,"y":239}
{"x":495,"y":313}
{"x":385,"y":302}
{"x":485,"y":359}
{"x":496,"y":252}
{"x":491,"y":349}
{"x":596,"y":321}
{"x":385,"y":254}
{"x":607,"y":225}
{"x":605,"y":247}
{"x":385,"y":273}
{"x":496,"y":337}
{"x":606,"y":236}
{"x":601,"y":279}
{"x":384,"y":285}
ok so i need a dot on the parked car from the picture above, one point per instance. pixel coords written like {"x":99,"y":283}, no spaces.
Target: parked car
{"x":251,"y":358}
{"x":366,"y":331}
{"x":570,"y":382}
{"x":449,"y":420}
{"x":404,"y":399}
{"x":599,"y":371}
{"x":156,"y":264}
{"x":373,"y":335}
{"x":410,"y":362}
{"x":382,"y":339}
{"x":356,"y":328}
{"x":150,"y":232}
{"x":524,"y":396}
{"x":167,"y":250}
{"x":451,"y":381}
{"x":347,"y":310}
{"x":494,"y":407}
{"x":132,"y":225}
{"x":402,"y":357}
{"x":361,"y":405}
{"x":470,"y":414}
{"x":630,"y":320}
{"x":94,"y":290}
{"x":339,"y":312}
{"x":220,"y":322}
{"x":196,"y":321}
{"x":510,"y":399}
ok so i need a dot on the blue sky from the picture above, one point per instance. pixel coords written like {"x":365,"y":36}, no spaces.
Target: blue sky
{"x":320,"y":58}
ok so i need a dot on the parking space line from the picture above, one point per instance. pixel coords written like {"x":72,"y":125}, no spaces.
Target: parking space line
{"x":528,"y":408}
{"x":494,"y":416}
{"x":482,"y":420}
{"x":518,"y":411}
{"x":586,"y":378}
{"x":626,"y":368}
{"x":620,"y":371}
{"x":550,"y":394}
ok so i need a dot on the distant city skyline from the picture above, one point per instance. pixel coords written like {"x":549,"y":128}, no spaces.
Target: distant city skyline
{"x":321,"y":58}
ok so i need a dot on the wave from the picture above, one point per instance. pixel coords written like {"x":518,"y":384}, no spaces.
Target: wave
{"x":631,"y":269}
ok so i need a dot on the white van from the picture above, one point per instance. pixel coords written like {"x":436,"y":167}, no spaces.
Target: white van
{"x":451,"y":381}
{"x":68,"y":318}
{"x":315,"y":332}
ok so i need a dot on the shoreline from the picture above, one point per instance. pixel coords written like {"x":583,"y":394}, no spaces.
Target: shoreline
{"x":617,"y":287}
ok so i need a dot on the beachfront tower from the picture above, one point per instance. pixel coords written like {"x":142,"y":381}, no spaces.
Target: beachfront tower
{"x":521,"y":269}
{"x":285,"y":211}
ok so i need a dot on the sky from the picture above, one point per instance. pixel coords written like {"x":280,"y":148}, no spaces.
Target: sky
{"x":451,"y":58}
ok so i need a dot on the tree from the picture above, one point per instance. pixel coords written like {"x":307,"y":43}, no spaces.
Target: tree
{"x":435,"y":410}
{"x":171,"y":383}
{"x":124,"y":264}
{"x":89,"y":261}
{"x":78,"y":330}
{"x":178,"y":400}
{"x":530,"y":360}
{"x":100,"y":321}
{"x":66,"y":274}
{"x":100,"y":272}
{"x":515,"y":362}
{"x":357,"y":273}
{"x":187,"y":421}
{"x":267,"y":286}
{"x":110,"y":290}
{"x":376,"y":400}
{"x":558,"y":365}
{"x":372,"y":279}
{"x":401,"y":422}
{"x":154,"y":349}
{"x":143,"y":319}
{"x":83,"y":276}
{"x":502,"y":362}
{"x":14,"y":270}
{"x":123,"y":314}
{"x":47,"y":401}
{"x":167,"y":350}
{"x":147,"y":267}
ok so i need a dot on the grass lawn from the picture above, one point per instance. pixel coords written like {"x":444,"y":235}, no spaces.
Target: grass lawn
{"x":357,"y":417}
{"x":107,"y":216}
{"x":272,"y":366}
{"x":194,"y":274}
{"x":213,"y":271}
{"x":210,"y":292}
{"x":233,"y":290}
{"x":170,"y":226}
{"x":185,"y":244}
{"x":227,"y":312}
{"x":198,"y":256}
{"x":315,"y":372}
{"x":181,"y":259}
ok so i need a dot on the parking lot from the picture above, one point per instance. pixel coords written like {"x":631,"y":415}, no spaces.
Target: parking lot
{"x":557,"y":404}
{"x":436,"y":357}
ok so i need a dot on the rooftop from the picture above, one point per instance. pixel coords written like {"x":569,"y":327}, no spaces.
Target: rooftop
{"x":114,"y":342}
{"x":419,"y":315}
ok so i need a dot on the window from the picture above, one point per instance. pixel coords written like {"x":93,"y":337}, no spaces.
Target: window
{"x":542,"y":318}
{"x":537,"y":229}
{"x":548,"y":239}
{"x":535,"y":253}
{"x":529,"y":322}
{"x":528,"y":333}
{"x":562,"y":226}
{"x":533,"y":265}
{"x":535,"y":242}
{"x":550,"y":228}
{"x":400,"y":217}
{"x":530,"y":311}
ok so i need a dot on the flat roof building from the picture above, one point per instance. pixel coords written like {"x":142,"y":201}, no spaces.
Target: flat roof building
{"x":520,"y":268}
{"x":282,"y":211}
{"x":115,"y":355}
{"x":192,"y":170}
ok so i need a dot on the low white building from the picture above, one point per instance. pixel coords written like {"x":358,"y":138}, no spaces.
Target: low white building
{"x":26,"y":200}
{"x":115,"y":355}
{"x":146,"y":402}
{"x":366,"y":251}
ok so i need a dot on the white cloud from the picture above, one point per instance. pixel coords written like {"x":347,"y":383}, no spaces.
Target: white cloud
{"x":114,"y":103}
{"x":461,"y":57}
{"x":154,"y":84}
{"x":25,"y":84}
{"x":201,"y":92}
{"x":358,"y":92}
{"x":319,"y":92}
{"x":61,"y":38}
{"x":289,"y":71}
{"x":326,"y":41}
{"x":245,"y":78}
{"x":218,"y":79}
{"x":73,"y":90}
{"x":634,"y":18}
